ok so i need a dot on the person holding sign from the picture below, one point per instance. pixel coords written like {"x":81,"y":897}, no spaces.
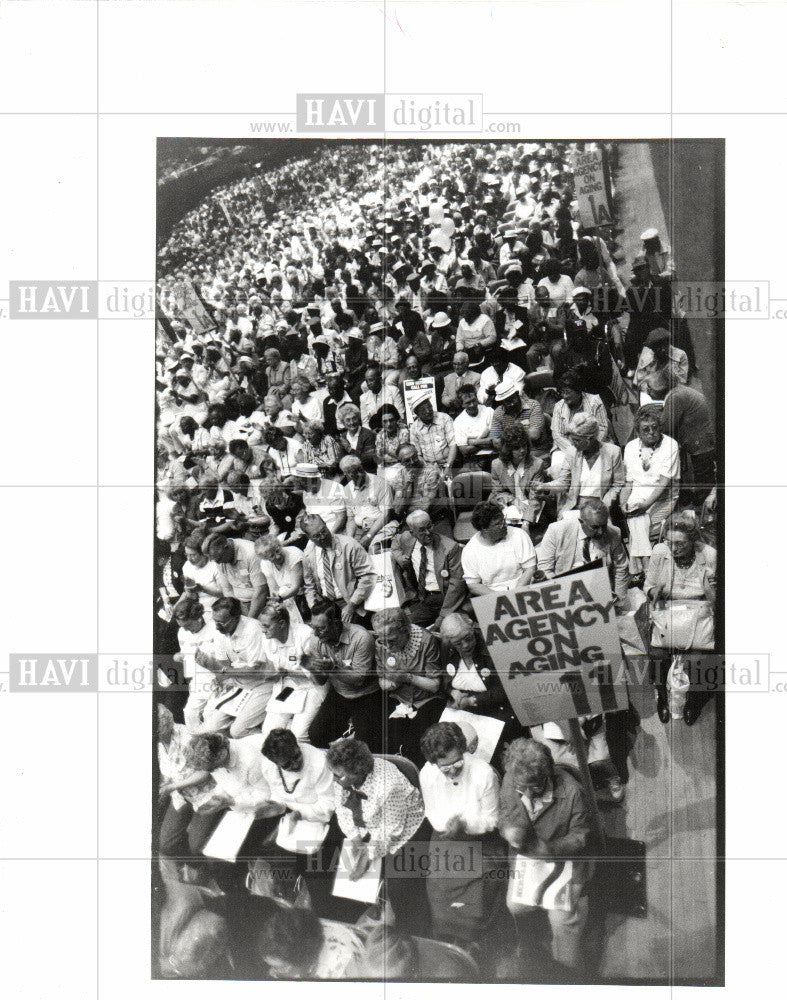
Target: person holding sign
{"x":545,"y":820}
{"x":498,"y":557}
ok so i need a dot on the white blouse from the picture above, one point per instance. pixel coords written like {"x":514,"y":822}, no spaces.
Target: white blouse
{"x":474,"y":796}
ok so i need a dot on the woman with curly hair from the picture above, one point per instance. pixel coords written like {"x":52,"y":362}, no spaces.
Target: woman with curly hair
{"x":515,"y":472}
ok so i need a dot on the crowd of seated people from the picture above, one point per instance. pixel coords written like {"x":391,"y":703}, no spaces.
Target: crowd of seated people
{"x":323,"y":526}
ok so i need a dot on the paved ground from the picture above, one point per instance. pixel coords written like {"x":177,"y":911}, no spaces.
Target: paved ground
{"x":671,"y":796}
{"x":679,"y":189}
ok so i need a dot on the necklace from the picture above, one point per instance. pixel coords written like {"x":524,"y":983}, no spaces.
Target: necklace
{"x":287,"y":789}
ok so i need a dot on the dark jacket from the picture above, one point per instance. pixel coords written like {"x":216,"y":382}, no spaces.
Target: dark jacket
{"x":563,"y":828}
{"x":447,"y":567}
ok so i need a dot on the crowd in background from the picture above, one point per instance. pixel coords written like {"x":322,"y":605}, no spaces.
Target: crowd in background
{"x":391,"y":379}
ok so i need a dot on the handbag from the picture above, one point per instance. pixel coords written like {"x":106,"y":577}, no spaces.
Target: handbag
{"x":301,"y":836}
{"x":682,"y":626}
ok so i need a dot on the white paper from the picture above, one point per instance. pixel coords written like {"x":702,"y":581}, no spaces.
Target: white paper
{"x":226,"y":839}
{"x":364,"y":889}
{"x":487,"y":727}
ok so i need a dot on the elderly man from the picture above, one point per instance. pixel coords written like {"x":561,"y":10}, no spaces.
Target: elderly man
{"x":431,"y":567}
{"x":324,"y":498}
{"x":461,"y":375}
{"x":335,"y":567}
{"x":238,"y":571}
{"x":514,"y":407}
{"x":238,"y":660}
{"x":377,"y":394}
{"x":369,"y":500}
{"x":433,"y":435}
{"x":573,"y":542}
{"x":278,"y":375}
{"x":408,"y":666}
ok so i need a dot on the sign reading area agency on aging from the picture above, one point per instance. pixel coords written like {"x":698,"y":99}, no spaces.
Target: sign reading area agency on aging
{"x":591,"y":189}
{"x":556,"y":648}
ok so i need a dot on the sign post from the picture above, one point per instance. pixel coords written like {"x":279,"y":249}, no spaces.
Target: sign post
{"x":556,"y":648}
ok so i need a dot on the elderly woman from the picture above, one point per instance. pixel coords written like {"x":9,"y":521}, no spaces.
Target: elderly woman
{"x":544,"y":818}
{"x":297,"y":693}
{"x":474,"y":684}
{"x":652,"y":462}
{"x":592,"y":468}
{"x":573,"y":400}
{"x":282,"y":566}
{"x":515,"y":473}
{"x":355,"y":439}
{"x":382,"y":816}
{"x":681,"y":589}
{"x":408,"y":667}
{"x":391,"y":435}
{"x":306,"y":404}
{"x":461,"y":799}
{"x":319,"y":448}
{"x":498,"y":557}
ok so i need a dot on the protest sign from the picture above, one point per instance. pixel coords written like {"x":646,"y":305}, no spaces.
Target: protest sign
{"x":194,"y":310}
{"x":556,"y":648}
{"x":415,"y":388}
{"x":591,"y":189}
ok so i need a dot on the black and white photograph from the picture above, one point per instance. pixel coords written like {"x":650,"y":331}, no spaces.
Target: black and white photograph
{"x":438,"y":575}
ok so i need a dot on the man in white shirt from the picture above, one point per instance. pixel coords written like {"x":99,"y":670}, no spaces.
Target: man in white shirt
{"x":238,"y":659}
{"x":500,"y":371}
{"x":473,"y":426}
{"x":369,"y":500}
{"x":378,"y":394}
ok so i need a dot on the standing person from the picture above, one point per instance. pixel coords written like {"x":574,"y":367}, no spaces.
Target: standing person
{"x":686,"y":417}
{"x":543,"y":815}
{"x":652,"y":462}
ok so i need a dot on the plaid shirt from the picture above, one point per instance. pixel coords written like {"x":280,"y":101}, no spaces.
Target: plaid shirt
{"x":433,"y":441}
